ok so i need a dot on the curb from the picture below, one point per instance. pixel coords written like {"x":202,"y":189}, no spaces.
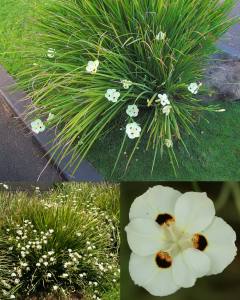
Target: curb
{"x":14,"y":99}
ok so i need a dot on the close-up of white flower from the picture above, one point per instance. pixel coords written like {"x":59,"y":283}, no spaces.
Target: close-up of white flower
{"x":194,"y":87}
{"x":166,"y":110}
{"x":176,"y":238}
{"x":133,"y":130}
{"x":126,"y":84}
{"x":163,"y":99}
{"x":112,"y":95}
{"x":132,"y":110}
{"x":161,"y":36}
{"x":92,"y":66}
{"x":38,"y":126}
{"x":51,"y":53}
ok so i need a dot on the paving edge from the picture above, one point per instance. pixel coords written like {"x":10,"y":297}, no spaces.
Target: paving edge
{"x":18,"y":101}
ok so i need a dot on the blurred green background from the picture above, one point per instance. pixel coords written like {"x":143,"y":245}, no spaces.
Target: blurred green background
{"x":219,"y":287}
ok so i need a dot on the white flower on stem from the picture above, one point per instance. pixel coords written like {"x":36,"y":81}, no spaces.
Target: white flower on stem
{"x":38,"y":126}
{"x":126,"y":84}
{"x":6,"y":187}
{"x":168,"y":143}
{"x":92,"y":66}
{"x":163,"y":99}
{"x":161,"y":36}
{"x":112,"y":95}
{"x":51,"y":53}
{"x":166,"y":110}
{"x":133,"y":130}
{"x":175,"y":239}
{"x":50,"y":117}
{"x":55,"y":287}
{"x":132,"y":110}
{"x":194,"y":87}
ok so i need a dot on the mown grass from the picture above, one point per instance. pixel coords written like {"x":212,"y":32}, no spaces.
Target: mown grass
{"x":15,"y":20}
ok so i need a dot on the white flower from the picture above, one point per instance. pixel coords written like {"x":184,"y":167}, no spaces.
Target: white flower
{"x":132,"y":110}
{"x":161,"y":36}
{"x":55,"y":287}
{"x":166,"y":110}
{"x":51,"y":53}
{"x":194,"y":87}
{"x":112,"y":95}
{"x":37,"y":126}
{"x":163,"y":99}
{"x":49,"y":275}
{"x":126,"y":84}
{"x":50,"y":117}
{"x":133,"y":130}
{"x":12,"y":297}
{"x":92,"y":66}
{"x":176,"y":238}
{"x":169,"y":143}
{"x":64,"y":275}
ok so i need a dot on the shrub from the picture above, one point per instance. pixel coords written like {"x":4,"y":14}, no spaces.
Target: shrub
{"x":61,"y":244}
{"x":100,"y":66}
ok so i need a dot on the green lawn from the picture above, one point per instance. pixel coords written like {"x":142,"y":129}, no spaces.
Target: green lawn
{"x":214,"y":156}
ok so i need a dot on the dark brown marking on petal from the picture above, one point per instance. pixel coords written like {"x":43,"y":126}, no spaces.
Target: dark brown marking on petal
{"x":200,"y":242}
{"x":164,"y":219}
{"x":163,"y":260}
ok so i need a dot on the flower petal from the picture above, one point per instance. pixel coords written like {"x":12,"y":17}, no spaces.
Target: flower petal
{"x":188,"y":266}
{"x":145,"y":237}
{"x":221,"y":247}
{"x":194,"y":212}
{"x":155,"y":201}
{"x":145,"y":272}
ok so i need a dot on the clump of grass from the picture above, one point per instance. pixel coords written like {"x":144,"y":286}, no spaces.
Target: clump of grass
{"x":144,"y":49}
{"x":61,"y":244}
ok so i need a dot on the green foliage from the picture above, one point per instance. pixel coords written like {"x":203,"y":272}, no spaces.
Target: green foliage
{"x":122,"y":36}
{"x":62,"y":243}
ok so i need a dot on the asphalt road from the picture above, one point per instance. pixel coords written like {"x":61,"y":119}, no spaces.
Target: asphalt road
{"x":21,"y":161}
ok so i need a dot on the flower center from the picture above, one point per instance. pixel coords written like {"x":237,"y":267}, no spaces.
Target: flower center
{"x":176,"y":240}
{"x":163,"y":260}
